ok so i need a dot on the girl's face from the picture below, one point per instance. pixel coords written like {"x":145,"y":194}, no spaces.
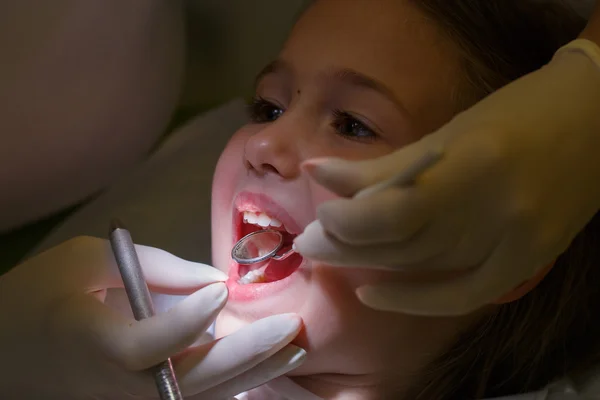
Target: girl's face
{"x":357,"y":80}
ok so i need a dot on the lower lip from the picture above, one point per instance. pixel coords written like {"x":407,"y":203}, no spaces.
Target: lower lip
{"x":256,"y":291}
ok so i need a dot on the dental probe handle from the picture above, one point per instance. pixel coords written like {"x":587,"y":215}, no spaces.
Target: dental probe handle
{"x":141,"y":302}
{"x":406,"y":177}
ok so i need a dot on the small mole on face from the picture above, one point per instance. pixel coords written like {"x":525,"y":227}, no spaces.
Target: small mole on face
{"x":298,"y":92}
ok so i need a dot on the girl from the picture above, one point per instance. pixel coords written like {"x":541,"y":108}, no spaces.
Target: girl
{"x":357,"y":80}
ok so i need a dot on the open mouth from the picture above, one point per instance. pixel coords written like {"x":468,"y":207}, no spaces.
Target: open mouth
{"x":271,"y":270}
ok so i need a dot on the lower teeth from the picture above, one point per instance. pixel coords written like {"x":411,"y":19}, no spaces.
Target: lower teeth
{"x":255,"y":276}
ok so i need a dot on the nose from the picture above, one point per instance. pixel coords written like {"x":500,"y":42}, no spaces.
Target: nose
{"x":274,"y":149}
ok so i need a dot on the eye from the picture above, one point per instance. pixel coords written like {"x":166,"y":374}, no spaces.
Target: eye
{"x":351,"y":128}
{"x":263,"y":111}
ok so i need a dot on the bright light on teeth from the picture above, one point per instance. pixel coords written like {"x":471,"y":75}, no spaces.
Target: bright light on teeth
{"x":264,"y":221}
{"x":256,"y":276}
{"x":261,"y":219}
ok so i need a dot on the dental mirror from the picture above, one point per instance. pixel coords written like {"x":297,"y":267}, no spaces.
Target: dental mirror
{"x":259,"y":246}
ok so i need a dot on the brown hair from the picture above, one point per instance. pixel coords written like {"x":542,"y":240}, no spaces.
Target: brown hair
{"x":502,"y":40}
{"x":552,"y":331}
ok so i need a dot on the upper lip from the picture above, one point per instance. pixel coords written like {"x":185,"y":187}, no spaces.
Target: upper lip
{"x":261,"y":202}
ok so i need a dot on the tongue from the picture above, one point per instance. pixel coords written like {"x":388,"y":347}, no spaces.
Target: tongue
{"x":278,"y":270}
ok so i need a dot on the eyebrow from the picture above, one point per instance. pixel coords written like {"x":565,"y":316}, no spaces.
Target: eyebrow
{"x":272,"y":68}
{"x":344,"y":75}
{"x":355,"y":78}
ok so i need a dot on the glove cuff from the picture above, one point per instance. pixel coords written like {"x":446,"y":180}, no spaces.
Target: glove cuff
{"x":582,"y":46}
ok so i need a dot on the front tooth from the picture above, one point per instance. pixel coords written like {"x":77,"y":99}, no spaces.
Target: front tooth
{"x":250,"y":217}
{"x":263,"y":220}
{"x":276,"y":223}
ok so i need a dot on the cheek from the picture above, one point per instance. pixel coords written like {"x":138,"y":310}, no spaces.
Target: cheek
{"x":319,"y":194}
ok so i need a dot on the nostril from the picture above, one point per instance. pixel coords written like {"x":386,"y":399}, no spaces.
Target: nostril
{"x":272,"y":159}
{"x":261,"y":169}
{"x":269,"y":168}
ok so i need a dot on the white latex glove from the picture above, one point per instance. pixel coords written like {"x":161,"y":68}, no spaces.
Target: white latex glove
{"x":519,"y":178}
{"x":58,"y":340}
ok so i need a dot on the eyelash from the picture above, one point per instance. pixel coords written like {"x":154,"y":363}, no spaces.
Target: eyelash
{"x":259,"y":107}
{"x":342,"y":119}
{"x":263,"y":111}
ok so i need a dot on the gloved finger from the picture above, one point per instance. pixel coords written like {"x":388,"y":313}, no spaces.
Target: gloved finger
{"x":469,"y":164}
{"x":138,"y":345}
{"x":150,"y":341}
{"x":93,"y":268}
{"x":346,"y":178}
{"x":314,"y":243}
{"x":209,"y":365}
{"x":320,"y":246}
{"x":392,"y":215}
{"x":450,"y":242}
{"x":284,"y":361}
{"x":422,"y":251}
{"x":343,"y":177}
{"x":455,"y":297}
{"x":168,"y":274}
{"x":474,"y":244}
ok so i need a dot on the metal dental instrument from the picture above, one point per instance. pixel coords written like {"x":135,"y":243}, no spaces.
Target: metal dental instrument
{"x":141,"y":302}
{"x":259,"y":246}
{"x":262,"y":245}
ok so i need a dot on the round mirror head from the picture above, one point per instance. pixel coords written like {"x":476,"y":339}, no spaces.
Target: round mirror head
{"x":257,"y":247}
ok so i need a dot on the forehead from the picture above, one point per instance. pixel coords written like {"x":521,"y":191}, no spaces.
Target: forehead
{"x":388,"y":40}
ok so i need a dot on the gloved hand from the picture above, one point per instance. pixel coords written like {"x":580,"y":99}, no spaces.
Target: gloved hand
{"x":58,"y":340}
{"x":519,"y":178}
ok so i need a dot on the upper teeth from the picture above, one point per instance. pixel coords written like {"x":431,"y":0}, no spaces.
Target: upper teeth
{"x":261,"y":219}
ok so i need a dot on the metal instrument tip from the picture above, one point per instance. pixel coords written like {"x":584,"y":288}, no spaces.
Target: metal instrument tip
{"x":115,"y":224}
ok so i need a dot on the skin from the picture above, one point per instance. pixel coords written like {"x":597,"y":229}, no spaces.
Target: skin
{"x":390,"y":43}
